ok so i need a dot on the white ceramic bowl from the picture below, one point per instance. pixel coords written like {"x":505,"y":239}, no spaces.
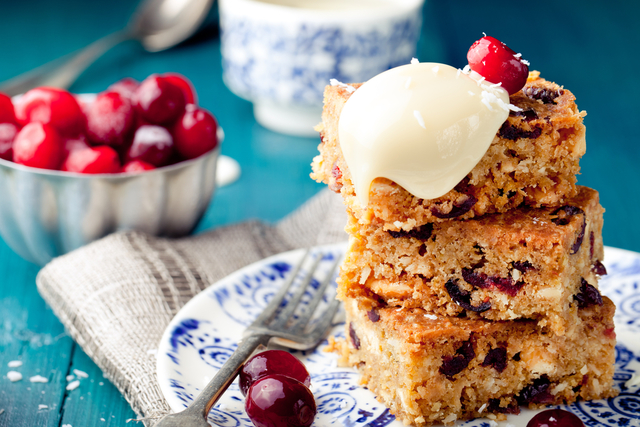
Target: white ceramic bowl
{"x":280,"y":54}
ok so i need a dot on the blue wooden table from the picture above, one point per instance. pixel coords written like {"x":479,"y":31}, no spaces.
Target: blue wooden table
{"x":589,"y":47}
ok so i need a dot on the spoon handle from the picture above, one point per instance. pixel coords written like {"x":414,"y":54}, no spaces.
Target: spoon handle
{"x":63,"y":72}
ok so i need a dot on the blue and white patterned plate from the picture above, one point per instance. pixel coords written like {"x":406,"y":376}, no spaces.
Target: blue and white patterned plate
{"x":206,"y":331}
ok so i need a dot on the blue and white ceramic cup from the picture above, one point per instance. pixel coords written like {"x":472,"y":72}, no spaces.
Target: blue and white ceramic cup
{"x":280,"y":54}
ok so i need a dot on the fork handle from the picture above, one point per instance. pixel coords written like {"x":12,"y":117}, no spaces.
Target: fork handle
{"x":225,"y":376}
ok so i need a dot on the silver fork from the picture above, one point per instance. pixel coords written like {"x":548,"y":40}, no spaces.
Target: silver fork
{"x":279,"y":327}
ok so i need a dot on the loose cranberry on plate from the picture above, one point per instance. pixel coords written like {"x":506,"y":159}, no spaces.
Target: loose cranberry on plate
{"x":195,"y":132}
{"x":136,"y":166}
{"x":151,"y":144}
{"x":55,"y":107}
{"x":7,"y":112}
{"x":110,"y":119}
{"x":159,"y":101}
{"x":497,"y":63}
{"x":92,"y":160}
{"x":38,"y":145}
{"x":183,"y":83}
{"x":8,"y":132}
{"x":272,"y":362}
{"x":277,"y":400}
{"x":555,"y":418}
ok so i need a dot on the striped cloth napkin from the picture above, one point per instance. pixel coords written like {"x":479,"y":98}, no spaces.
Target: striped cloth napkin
{"x":117,"y":295}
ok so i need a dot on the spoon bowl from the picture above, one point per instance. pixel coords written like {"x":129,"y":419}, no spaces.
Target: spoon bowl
{"x":156,"y":24}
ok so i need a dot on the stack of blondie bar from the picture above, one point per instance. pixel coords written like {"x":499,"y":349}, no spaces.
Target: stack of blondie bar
{"x":485,"y":299}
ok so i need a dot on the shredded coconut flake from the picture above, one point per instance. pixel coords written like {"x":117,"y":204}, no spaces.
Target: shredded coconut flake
{"x":466,"y":69}
{"x":419,"y":118}
{"x":80,"y":374}
{"x":15,"y":364}
{"x":73,"y":385}
{"x":40,"y":407}
{"x":525,"y":62}
{"x":345,"y":86}
{"x":435,"y":69}
{"x":70,"y":378}
{"x":517,"y":55}
{"x":415,"y":61}
{"x":552,"y":419}
{"x":14,"y":376}
{"x":431,"y":316}
{"x":38,"y":379}
{"x":482,"y":408}
{"x":633,"y":381}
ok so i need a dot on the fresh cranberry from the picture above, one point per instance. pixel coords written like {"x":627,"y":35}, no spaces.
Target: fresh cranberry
{"x":280,"y":401}
{"x":555,"y":418}
{"x":195,"y":132}
{"x":76,"y":143}
{"x":497,"y":63}
{"x":183,"y":83}
{"x":8,"y":132}
{"x":158,"y":100}
{"x":110,"y":118}
{"x":38,"y":145}
{"x":125,"y":87}
{"x":7,"y":112}
{"x":272,"y":362}
{"x":92,"y":160}
{"x":137,"y":166}
{"x":151,"y":144}
{"x":55,"y":107}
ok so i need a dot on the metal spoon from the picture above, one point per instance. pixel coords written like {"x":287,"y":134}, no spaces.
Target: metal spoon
{"x":157,"y":24}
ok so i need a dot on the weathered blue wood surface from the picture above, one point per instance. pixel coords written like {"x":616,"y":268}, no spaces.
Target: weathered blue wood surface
{"x":590,"y":47}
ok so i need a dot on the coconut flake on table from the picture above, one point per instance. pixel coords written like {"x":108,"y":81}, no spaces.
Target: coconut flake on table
{"x":14,"y":364}
{"x":38,"y":379}
{"x":14,"y":376}
{"x":80,"y":374}
{"x":40,"y":407}
{"x":73,"y":385}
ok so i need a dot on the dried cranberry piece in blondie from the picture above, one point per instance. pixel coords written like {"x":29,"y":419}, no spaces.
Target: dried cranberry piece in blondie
{"x":496,"y":357}
{"x":588,"y":295}
{"x":536,"y":392}
{"x":452,"y":365}
{"x":463,"y":298}
{"x":482,"y":280}
{"x":511,"y":408}
{"x":459,"y":208}
{"x":355,"y":341}
{"x":421,"y":233}
{"x":599,"y":268}
{"x":373,"y":315}
{"x":513,"y":133}
{"x":564,"y":214}
{"x":547,"y":96}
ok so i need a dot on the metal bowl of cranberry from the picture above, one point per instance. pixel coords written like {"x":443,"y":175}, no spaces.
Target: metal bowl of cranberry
{"x":74,"y":168}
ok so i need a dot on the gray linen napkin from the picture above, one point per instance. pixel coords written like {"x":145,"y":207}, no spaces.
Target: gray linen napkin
{"x":117,"y":295}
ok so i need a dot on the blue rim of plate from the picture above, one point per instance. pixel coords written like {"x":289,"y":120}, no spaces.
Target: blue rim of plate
{"x":206,"y":330}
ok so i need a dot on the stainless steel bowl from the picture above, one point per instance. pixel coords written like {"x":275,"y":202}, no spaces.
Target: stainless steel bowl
{"x":46,"y":213}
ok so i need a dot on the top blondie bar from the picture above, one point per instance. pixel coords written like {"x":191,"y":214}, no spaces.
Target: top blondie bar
{"x":533,"y":159}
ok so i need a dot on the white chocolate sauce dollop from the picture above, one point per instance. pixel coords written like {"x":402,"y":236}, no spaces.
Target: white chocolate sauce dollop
{"x":423,"y":125}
